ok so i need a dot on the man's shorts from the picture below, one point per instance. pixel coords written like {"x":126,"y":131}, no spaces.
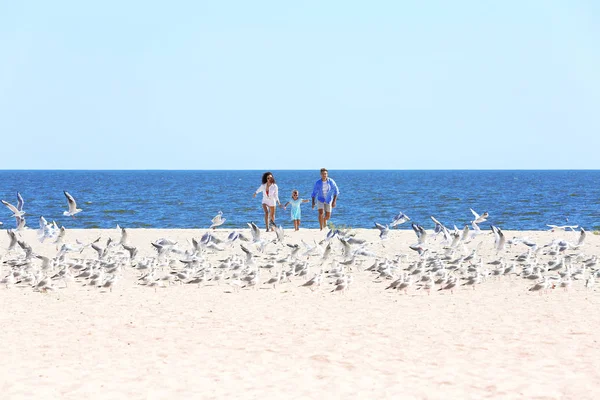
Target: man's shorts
{"x":324,"y":206}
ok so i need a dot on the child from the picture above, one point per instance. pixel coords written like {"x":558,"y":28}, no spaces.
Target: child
{"x":296,"y":213}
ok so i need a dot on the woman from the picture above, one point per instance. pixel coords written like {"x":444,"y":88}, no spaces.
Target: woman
{"x":270,"y":198}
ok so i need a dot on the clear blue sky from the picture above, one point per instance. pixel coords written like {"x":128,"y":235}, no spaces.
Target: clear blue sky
{"x":300,"y":84}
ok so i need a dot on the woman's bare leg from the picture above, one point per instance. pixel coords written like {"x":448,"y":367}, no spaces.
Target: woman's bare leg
{"x":272,"y":217}
{"x":266,"y":210}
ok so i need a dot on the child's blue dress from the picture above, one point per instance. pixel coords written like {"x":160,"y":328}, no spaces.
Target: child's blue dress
{"x":296,"y":212}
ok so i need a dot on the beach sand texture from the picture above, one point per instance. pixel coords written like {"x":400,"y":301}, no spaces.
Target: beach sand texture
{"x":172,"y":340}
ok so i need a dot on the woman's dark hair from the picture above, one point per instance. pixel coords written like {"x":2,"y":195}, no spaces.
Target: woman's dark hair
{"x":265,"y":176}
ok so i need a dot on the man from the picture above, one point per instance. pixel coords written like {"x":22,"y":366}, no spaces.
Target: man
{"x":326,"y":193}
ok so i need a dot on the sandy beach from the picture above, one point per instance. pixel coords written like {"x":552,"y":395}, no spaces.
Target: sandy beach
{"x":163,"y":337}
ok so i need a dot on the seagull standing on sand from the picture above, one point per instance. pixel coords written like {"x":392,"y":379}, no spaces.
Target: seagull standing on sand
{"x":72,"y":206}
{"x":314,"y":282}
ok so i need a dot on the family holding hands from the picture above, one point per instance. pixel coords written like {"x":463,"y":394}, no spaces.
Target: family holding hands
{"x":325,"y":193}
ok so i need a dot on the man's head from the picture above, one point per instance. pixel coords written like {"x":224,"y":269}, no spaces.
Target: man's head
{"x":324,"y":173}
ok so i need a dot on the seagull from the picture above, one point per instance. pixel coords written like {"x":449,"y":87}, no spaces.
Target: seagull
{"x":314,"y":282}
{"x":15,"y":210}
{"x":235,"y":235}
{"x":72,"y":206}
{"x":44,"y":230}
{"x":132,"y":251}
{"x":218,"y":220}
{"x":280,"y":233}
{"x":561,"y":228}
{"x":479,"y":218}
{"x":123,"y":240}
{"x":255,"y":231}
{"x":399,"y":219}
{"x":440,"y":228}
{"x":421,"y":233}
{"x":500,"y":239}
{"x":249,"y":254}
{"x":20,"y":222}
{"x":13,"y":240}
{"x":331,"y":234}
{"x":418,"y":248}
{"x":450,"y":285}
{"x":383,"y":230}
{"x":581,"y":237}
{"x":540,"y":286}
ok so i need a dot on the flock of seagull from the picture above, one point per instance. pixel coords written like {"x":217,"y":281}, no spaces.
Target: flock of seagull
{"x":440,"y":259}
{"x":19,"y":213}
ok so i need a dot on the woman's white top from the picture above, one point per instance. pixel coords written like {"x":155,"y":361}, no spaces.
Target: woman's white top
{"x":272,"y":198}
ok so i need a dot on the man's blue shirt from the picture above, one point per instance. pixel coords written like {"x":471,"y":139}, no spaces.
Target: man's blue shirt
{"x":318,"y":191}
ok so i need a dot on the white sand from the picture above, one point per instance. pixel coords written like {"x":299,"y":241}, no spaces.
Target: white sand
{"x":185,"y":341}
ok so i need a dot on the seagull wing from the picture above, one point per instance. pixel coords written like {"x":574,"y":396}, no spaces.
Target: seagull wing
{"x":380,"y":227}
{"x":71,"y":201}
{"x":436,"y":221}
{"x":20,"y":202}
{"x":12,"y":208}
{"x":254,"y":231}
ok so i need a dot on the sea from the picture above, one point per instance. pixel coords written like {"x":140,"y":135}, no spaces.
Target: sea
{"x":514,"y":199}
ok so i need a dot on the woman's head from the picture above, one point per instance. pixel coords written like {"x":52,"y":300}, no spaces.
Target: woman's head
{"x":268,"y":177}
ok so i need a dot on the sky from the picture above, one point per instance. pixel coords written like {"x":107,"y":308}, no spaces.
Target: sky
{"x":300,"y":85}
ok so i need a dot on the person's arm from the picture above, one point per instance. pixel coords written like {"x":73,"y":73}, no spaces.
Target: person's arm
{"x":305,"y":200}
{"x":286,"y":204}
{"x":336,"y":191}
{"x":276,"y":195}
{"x":314,"y":193}
{"x":260,"y":189}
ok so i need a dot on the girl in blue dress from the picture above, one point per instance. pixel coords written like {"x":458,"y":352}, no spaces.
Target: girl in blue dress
{"x":295,"y":211}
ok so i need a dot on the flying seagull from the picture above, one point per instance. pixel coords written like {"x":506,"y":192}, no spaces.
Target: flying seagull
{"x":218,"y":220}
{"x":399,"y":219}
{"x":479,"y":218}
{"x":18,"y":210}
{"x":72,"y":206}
{"x":384,"y":230}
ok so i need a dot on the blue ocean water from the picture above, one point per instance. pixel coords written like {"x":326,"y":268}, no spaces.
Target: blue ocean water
{"x":524,"y":200}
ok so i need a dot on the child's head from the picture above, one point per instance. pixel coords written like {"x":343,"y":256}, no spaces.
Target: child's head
{"x":294,"y":194}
